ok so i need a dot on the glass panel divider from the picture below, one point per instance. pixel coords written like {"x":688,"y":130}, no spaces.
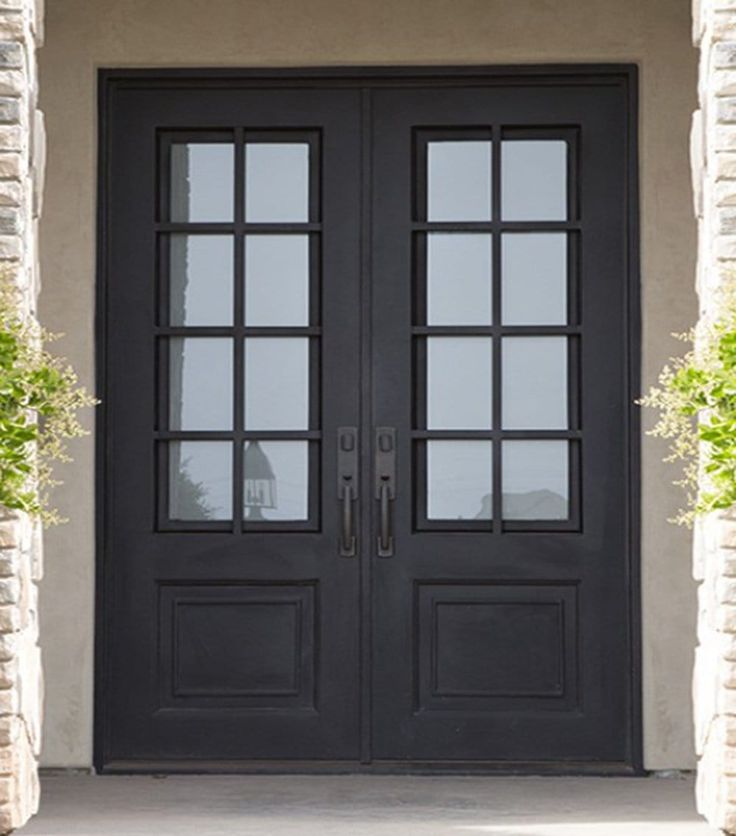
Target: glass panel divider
{"x":497,"y":461}
{"x":239,"y":322}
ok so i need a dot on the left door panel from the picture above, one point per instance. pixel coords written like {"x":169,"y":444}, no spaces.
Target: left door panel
{"x":229,"y":340}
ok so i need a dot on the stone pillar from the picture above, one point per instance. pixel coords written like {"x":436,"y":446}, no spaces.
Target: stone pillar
{"x":713,"y":154}
{"x":22,"y":151}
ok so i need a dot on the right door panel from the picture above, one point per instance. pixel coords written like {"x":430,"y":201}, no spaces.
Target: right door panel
{"x":500,"y":257}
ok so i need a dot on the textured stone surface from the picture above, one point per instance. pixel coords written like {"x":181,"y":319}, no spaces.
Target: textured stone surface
{"x":11,"y":54}
{"x":21,"y":681}
{"x":713,"y":156}
{"x":714,"y":177}
{"x":11,"y":166}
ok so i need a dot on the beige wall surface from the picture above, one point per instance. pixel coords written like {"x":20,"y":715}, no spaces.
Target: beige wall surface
{"x":83,"y":35}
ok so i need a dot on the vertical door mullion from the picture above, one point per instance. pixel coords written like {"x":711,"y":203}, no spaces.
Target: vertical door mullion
{"x":239,"y":323}
{"x":496,"y":462}
{"x":366,"y":417}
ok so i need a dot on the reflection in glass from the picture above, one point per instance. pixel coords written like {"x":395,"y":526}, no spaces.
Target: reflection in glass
{"x":276,"y":182}
{"x":276,"y":477}
{"x":276,"y":280}
{"x":259,"y":493}
{"x":535,"y":480}
{"x":200,"y":479}
{"x":200,"y":383}
{"x":534,"y":269}
{"x":459,"y":181}
{"x":534,"y":180}
{"x":534,"y":385}
{"x":276,"y":383}
{"x":458,"y":279}
{"x":459,"y":383}
{"x":201,"y":280}
{"x":459,"y":480}
{"x":202,"y":179}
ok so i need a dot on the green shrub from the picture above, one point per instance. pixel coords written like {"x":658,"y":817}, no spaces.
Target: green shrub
{"x":696,"y":401}
{"x":39,"y":402}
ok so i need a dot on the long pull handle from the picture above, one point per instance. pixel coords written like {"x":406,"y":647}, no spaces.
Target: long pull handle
{"x":385,"y":487}
{"x":385,"y":539}
{"x":348,"y":545}
{"x":347,"y":488}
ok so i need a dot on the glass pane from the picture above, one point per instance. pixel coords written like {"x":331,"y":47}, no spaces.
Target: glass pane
{"x":536,"y":480}
{"x":534,"y":273}
{"x":459,"y":383}
{"x":534,"y":391}
{"x":277,"y":280}
{"x":459,"y":181}
{"x":202,"y":182}
{"x":276,"y":182}
{"x":200,"y":480}
{"x":200,"y":383}
{"x":458,"y":279}
{"x":201,"y":280}
{"x":276,"y":480}
{"x":459,"y":480}
{"x":534,"y":180}
{"x":276,"y":383}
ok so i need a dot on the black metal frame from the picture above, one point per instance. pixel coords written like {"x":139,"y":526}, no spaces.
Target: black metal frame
{"x":624,"y":76}
{"x":238,"y":228}
{"x":496,"y":331}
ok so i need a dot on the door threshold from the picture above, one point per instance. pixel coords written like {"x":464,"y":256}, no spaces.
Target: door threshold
{"x":320,"y":767}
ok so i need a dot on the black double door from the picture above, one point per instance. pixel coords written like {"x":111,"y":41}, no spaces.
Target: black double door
{"x":364,"y":449}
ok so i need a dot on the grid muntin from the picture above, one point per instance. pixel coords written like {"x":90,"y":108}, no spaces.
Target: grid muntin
{"x":496,"y":227}
{"x":237,"y":229}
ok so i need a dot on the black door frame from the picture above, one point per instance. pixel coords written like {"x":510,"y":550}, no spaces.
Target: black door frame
{"x":624,"y":76}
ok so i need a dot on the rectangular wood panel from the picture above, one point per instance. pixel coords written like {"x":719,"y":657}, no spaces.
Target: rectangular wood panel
{"x":490,"y":647}
{"x":244,"y":646}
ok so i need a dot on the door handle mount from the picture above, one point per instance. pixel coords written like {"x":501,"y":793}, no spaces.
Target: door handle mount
{"x":347,"y":488}
{"x":385,"y":487}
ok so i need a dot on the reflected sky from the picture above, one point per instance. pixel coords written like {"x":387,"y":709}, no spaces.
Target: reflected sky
{"x":534,"y":391}
{"x":534,"y":180}
{"x":534,"y":270}
{"x":459,"y":383}
{"x":276,"y":182}
{"x":277,"y":383}
{"x":202,"y":182}
{"x":201,"y":270}
{"x":277,"y":280}
{"x":459,"y":181}
{"x":458,"y":279}
{"x":201,"y":383}
{"x":535,"y":480}
{"x":458,"y":480}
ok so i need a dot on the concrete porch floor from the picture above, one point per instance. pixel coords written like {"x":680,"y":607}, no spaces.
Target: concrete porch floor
{"x":81,"y":805}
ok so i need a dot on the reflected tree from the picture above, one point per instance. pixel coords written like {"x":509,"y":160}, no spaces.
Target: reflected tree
{"x":191,"y":496}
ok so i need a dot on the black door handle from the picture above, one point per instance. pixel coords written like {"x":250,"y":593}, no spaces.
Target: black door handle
{"x":347,"y":488}
{"x":347,"y":542}
{"x":385,"y":487}
{"x":385,"y":539}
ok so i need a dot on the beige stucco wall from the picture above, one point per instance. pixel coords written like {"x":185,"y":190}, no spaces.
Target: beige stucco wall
{"x":83,"y":35}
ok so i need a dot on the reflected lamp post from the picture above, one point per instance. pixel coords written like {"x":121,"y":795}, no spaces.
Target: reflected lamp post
{"x":260,"y":482}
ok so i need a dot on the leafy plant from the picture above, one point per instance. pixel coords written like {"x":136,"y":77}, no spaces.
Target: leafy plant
{"x":39,"y":402}
{"x":696,"y":401}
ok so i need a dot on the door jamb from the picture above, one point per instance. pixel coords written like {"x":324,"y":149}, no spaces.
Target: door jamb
{"x":110,"y":80}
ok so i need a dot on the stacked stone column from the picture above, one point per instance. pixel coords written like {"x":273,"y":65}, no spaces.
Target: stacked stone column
{"x":21,"y":174}
{"x":713,"y":152}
